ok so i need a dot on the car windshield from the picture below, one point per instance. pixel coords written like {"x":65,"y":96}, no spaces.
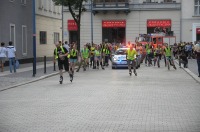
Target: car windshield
{"x":120,"y":52}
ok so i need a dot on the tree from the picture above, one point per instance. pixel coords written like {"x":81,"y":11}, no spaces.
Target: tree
{"x":74,"y":5}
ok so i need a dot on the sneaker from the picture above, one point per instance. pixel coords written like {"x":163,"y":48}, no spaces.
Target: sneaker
{"x":135,"y":73}
{"x":77,"y":70}
{"x":199,"y":76}
{"x":103,"y":68}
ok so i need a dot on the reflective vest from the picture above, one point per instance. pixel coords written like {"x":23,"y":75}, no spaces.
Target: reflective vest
{"x":73,"y":53}
{"x":131,"y":54}
{"x":107,"y":51}
{"x":56,"y":51}
{"x":85,"y":53}
{"x":97,"y":53}
{"x":92,"y":49}
{"x":167,"y":52}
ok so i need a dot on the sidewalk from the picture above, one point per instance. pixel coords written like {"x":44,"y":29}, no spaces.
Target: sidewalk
{"x":24,"y":74}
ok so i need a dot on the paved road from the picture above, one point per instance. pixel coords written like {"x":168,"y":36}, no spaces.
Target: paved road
{"x":157,"y":100}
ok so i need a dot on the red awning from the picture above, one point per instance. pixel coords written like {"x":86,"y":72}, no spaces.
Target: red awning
{"x":158,"y":23}
{"x":198,"y":30}
{"x":113,"y":23}
{"x":72,"y":26}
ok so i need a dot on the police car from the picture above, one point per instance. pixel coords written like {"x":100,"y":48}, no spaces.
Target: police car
{"x":119,"y":58}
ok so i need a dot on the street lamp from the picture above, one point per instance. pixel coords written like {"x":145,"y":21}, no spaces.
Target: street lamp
{"x":34,"y":39}
{"x":91,"y":22}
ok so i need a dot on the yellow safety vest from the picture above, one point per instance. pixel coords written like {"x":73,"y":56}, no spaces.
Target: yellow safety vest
{"x":131,"y":54}
{"x":56,"y":51}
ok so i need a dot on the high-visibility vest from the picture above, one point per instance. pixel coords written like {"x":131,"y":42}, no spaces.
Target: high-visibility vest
{"x":107,"y":51}
{"x":131,"y":54}
{"x":56,"y":51}
{"x":73,"y":53}
{"x":97,"y":53}
{"x":167,"y":52}
{"x":85,"y":53}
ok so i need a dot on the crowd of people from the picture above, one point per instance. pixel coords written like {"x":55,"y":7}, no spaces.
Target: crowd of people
{"x":98,"y":56}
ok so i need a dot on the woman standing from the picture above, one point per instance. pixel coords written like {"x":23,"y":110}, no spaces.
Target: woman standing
{"x":2,"y":55}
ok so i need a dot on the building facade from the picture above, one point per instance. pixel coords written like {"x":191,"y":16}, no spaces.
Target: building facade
{"x":16,"y":26}
{"x":48,"y":27}
{"x":190,"y":20}
{"x":122,"y":21}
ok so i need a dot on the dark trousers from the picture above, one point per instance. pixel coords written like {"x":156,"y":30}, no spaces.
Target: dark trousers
{"x":198,"y":64}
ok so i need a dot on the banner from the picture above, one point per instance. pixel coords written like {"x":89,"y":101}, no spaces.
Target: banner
{"x":72,"y":26}
{"x":158,"y":23}
{"x":113,"y":23}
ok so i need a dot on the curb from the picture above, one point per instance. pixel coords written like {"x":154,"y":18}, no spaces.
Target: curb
{"x":28,"y":82}
{"x":194,"y":76}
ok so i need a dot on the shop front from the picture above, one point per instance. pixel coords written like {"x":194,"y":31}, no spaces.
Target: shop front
{"x":72,"y":29}
{"x":114,"y":31}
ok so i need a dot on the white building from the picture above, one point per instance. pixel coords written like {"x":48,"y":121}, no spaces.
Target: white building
{"x":123,"y":20}
{"x":48,"y":27}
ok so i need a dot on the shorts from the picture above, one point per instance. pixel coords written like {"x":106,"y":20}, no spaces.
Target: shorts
{"x":63,"y":63}
{"x":73,"y":60}
{"x":2,"y":59}
{"x":98,"y":57}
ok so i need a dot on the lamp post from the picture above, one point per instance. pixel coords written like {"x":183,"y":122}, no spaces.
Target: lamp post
{"x":34,"y":39}
{"x":91,"y":22}
{"x":62,"y":25}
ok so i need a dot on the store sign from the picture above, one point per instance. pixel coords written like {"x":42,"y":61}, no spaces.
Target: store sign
{"x":158,"y":23}
{"x":198,"y":30}
{"x":113,"y":23}
{"x":72,"y":26}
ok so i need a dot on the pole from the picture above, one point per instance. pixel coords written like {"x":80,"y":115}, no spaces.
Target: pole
{"x":91,"y":22}
{"x":45,"y":66}
{"x":34,"y":40}
{"x":62,"y":26}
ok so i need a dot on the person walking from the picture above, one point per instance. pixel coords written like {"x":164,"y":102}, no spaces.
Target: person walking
{"x":84,"y":58}
{"x":11,"y":54}
{"x":61,"y":53}
{"x":197,"y":53}
{"x":130,"y":57}
{"x":2,"y":55}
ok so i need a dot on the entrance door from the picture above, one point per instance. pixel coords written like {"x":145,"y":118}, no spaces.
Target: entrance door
{"x":114,"y":31}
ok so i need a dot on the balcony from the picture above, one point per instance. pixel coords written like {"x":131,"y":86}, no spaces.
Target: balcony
{"x":110,"y":5}
{"x":156,"y":6}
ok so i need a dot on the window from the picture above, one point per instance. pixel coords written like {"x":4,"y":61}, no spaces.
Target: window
{"x":167,"y":0}
{"x":197,"y":8}
{"x":50,"y":6}
{"x":24,"y":40}
{"x":23,"y":2}
{"x":45,"y":5}
{"x":12,"y":33}
{"x":40,"y":4}
{"x":12,"y":0}
{"x":56,"y":37}
{"x":43,"y":37}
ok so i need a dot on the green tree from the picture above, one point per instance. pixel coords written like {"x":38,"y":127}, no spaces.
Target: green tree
{"x":74,"y":5}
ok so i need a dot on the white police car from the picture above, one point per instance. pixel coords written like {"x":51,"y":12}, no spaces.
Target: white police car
{"x":119,"y":58}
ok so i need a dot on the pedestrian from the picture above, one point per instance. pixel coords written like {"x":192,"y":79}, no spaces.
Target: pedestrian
{"x":197,"y":53}
{"x":61,"y":53}
{"x":2,"y":55}
{"x":131,"y":60}
{"x":84,"y":58}
{"x":66,"y":45}
{"x":11,"y":54}
{"x":98,"y":57}
{"x":183,"y":60}
{"x":73,"y":60}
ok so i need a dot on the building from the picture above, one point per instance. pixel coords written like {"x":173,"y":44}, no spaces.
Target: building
{"x":120,"y":21}
{"x":16,"y":26}
{"x":48,"y":27}
{"x":190,"y":20}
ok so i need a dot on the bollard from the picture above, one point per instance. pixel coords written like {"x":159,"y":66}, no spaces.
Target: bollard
{"x":44,"y":64}
{"x":54,"y":66}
